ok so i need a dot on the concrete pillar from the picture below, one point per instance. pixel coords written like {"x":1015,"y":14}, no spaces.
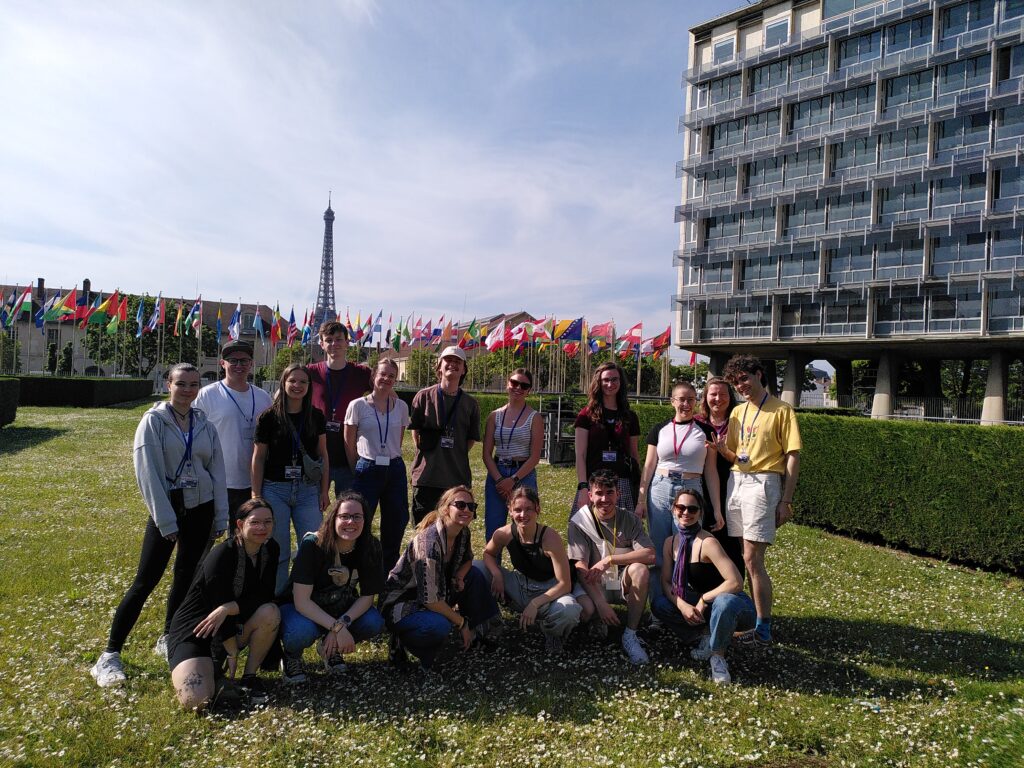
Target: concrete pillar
{"x":793,"y":380}
{"x":717,"y":361}
{"x":771,"y":373}
{"x":844,"y":382}
{"x":993,"y":410}
{"x":885,"y":386}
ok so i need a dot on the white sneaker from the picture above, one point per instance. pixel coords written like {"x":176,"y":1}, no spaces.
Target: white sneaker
{"x":108,"y":671}
{"x":634,"y":648}
{"x":720,"y":670}
{"x":160,"y":649}
{"x":703,"y":650}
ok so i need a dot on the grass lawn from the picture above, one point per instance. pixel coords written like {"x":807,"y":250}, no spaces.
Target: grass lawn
{"x":882,"y":658}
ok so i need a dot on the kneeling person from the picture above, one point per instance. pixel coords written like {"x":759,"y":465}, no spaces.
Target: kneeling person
{"x":231,"y":601}
{"x":611,"y":554}
{"x":539,"y":586}
{"x":337,"y":573}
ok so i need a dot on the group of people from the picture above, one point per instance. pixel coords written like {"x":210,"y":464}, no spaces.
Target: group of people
{"x":229,"y":458}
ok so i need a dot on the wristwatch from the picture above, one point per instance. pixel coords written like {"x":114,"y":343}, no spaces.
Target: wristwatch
{"x":346,"y":620}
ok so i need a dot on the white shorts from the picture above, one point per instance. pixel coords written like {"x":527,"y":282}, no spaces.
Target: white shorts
{"x":752,"y":500}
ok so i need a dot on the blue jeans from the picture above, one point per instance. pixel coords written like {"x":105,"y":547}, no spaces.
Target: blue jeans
{"x":341,"y":479}
{"x":660,"y":521}
{"x":293,"y":502}
{"x":386,"y":485}
{"x":495,"y":509}
{"x":299,"y":632}
{"x":423,"y":632}
{"x":729,"y":613}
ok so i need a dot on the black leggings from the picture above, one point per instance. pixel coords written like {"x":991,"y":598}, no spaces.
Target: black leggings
{"x":194,"y":528}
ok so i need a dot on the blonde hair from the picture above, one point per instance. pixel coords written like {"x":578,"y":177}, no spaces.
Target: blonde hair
{"x":440,"y":511}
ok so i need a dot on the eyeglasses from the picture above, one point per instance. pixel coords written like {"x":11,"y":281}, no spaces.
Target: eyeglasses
{"x":351,"y":518}
{"x":464,"y":505}
{"x":516,"y":384}
{"x":693,"y":509}
{"x":239,"y":362}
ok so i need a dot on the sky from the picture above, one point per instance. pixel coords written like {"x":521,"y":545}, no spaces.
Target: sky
{"x":481,"y":156}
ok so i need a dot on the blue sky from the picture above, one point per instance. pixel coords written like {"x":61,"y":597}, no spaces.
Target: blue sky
{"x":483,"y":156}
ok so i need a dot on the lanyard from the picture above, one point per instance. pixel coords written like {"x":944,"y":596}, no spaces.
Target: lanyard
{"x":600,"y":529}
{"x":252,"y":411}
{"x":744,"y":437}
{"x":296,"y":437}
{"x":332,"y":398}
{"x":387,"y":423}
{"x":501,"y":430}
{"x":677,"y":447}
{"x":441,"y":407}
{"x":186,"y":457}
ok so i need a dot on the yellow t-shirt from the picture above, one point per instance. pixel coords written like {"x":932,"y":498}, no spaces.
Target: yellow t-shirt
{"x":768,"y":437}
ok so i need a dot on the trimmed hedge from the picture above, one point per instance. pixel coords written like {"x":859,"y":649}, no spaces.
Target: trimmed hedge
{"x":9,"y":394}
{"x":82,"y":392}
{"x":951,"y":491}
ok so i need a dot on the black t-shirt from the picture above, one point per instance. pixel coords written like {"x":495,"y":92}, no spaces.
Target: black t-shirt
{"x":312,"y":566}
{"x":281,"y":442}
{"x":612,"y":433}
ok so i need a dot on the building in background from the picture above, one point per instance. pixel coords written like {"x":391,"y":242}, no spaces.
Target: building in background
{"x":853,"y":189}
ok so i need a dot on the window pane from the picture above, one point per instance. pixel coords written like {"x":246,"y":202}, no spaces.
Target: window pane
{"x":809,"y":64}
{"x":776,"y":33}
{"x":723,"y":51}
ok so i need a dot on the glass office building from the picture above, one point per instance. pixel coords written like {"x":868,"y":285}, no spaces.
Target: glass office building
{"x":853,"y":186}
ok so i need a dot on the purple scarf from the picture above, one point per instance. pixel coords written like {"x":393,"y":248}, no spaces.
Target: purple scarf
{"x":681,"y":569}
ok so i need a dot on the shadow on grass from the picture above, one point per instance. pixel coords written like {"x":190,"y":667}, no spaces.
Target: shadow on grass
{"x":129,"y":405}
{"x":14,"y":438}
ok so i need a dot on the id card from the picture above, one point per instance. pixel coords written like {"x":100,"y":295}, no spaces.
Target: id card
{"x":611,"y":580}
{"x":609,"y":457}
{"x":383,"y":461}
{"x":248,"y":433}
{"x":334,"y":426}
{"x":292,"y":472}
{"x":188,"y":477}
{"x":447,"y":442}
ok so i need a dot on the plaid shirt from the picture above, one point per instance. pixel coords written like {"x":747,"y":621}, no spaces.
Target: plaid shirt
{"x":422,"y":575}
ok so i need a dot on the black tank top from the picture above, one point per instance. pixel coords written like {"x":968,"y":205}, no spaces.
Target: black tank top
{"x":704,"y":576}
{"x":529,"y":558}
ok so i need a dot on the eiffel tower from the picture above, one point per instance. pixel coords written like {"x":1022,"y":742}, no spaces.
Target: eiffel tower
{"x":324,"y":309}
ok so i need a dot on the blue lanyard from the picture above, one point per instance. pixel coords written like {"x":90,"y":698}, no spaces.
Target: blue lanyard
{"x":501,"y":430}
{"x":744,"y":437}
{"x":440,"y":406}
{"x":186,"y":457}
{"x":387,"y":424}
{"x":332,"y":398}
{"x":296,"y":437}
{"x":252,"y":413}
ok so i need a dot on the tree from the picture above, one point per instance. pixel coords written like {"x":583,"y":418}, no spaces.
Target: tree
{"x":284,"y":357}
{"x":65,"y":365}
{"x":10,"y":354}
{"x":420,"y":367}
{"x":51,"y":357}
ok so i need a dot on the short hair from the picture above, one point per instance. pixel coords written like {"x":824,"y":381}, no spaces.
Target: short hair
{"x":747,"y":364}
{"x":330,"y":327}
{"x":246,"y":508}
{"x":603,"y":478}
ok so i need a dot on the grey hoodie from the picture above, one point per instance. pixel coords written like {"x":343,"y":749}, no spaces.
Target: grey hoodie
{"x":158,"y":450}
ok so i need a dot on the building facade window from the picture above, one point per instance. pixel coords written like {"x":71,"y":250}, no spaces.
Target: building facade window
{"x":769,"y":76}
{"x":965,"y":131}
{"x":964,"y":193}
{"x":906,"y":89}
{"x":808,"y":163}
{"x":727,"y":134}
{"x":853,"y":153}
{"x":800,"y":318}
{"x":958,"y":254}
{"x":900,"y":259}
{"x":723,"y":51}
{"x":908,"y":34}
{"x":776,"y":33}
{"x":955,"y":312}
{"x":854,"y":50}
{"x":849,"y":211}
{"x":763,"y":125}
{"x":846,"y":317}
{"x":718,"y":321}
{"x":805,"y":218}
{"x":808,"y":64}
{"x":810,"y":112}
{"x":764,"y":172}
{"x":1005,"y":307}
{"x":719,"y":181}
{"x":754,"y":322}
{"x":717,"y":278}
{"x":799,"y":269}
{"x":1007,"y":249}
{"x":900,"y":312}
{"x":903,"y":203}
{"x":966,"y":73}
{"x":1010,"y":182}
{"x":853,"y":102}
{"x":722,"y":228}
{"x":758,"y":224}
{"x":759,"y":273}
{"x":725,"y":89}
{"x":830,"y":8}
{"x":1009,"y":123}
{"x":907,"y":142}
{"x":966,"y":17}
{"x":850,"y":264}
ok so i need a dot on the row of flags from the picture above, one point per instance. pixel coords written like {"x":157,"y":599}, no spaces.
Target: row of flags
{"x":572,"y":335}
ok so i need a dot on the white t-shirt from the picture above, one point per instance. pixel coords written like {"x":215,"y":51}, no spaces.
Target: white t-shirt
{"x":234,"y":414}
{"x":370,"y":424}
{"x":681,"y":447}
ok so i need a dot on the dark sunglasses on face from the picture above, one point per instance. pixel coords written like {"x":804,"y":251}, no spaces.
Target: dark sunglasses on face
{"x":464,"y":505}
{"x":693,"y":509}
{"x":518,"y":384}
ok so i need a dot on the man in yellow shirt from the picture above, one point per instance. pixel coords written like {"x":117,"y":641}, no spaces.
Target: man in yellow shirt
{"x":763,"y":444}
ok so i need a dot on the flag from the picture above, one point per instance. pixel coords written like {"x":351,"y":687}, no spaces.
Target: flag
{"x":257,"y":325}
{"x":571,"y":349}
{"x":139,"y":315}
{"x":693,"y":359}
{"x":195,"y":317}
{"x":275,"y":326}
{"x":112,"y":326}
{"x":104,"y":311}
{"x":307,"y":332}
{"x":80,"y":308}
{"x":40,"y":316}
{"x":396,"y":342}
{"x":235,"y":323}
{"x":5,"y":310}
{"x":377,"y":327}
{"x":122,"y":310}
{"x":663,"y":340}
{"x":471,"y":336}
{"x":219,"y":330}
{"x":89,"y":312}
{"x":498,"y":338}
{"x":603,"y":331}
{"x":62,"y":308}
{"x":426,"y":333}
{"x":177,"y":320}
{"x":446,"y":334}
{"x":569,"y":330}
{"x":157,"y":317}
{"x":634,"y":334}
{"x":437,"y":333}
{"x":293,"y":329}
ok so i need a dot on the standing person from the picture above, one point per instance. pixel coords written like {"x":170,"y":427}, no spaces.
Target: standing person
{"x":765,"y":440}
{"x":702,"y":596}
{"x":290,"y":468}
{"x":539,"y":586}
{"x":512,"y":460}
{"x":180,"y":471}
{"x":335,"y":383}
{"x":230,"y":603}
{"x":445,"y":424}
{"x":717,"y":404}
{"x":434,"y":575}
{"x":232,"y":406}
{"x":329,"y":595}
{"x":374,"y":428}
{"x":677,"y":458}
{"x":607,"y":432}
{"x":611,"y":553}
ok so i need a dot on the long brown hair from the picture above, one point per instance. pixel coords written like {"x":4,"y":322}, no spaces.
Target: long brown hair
{"x":327,"y":534}
{"x":595,"y":402}
{"x":442,"y":506}
{"x":280,"y":404}
{"x":705,"y":409}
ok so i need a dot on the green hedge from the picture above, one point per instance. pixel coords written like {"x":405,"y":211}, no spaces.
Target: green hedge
{"x":951,"y":491}
{"x":9,"y":389}
{"x":82,"y":392}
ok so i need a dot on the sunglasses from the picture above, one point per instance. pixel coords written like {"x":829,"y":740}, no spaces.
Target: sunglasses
{"x":464,"y":505}
{"x":693,"y":509}
{"x":516,"y":384}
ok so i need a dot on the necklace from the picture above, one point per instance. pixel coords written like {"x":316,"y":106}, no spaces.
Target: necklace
{"x":179,"y":414}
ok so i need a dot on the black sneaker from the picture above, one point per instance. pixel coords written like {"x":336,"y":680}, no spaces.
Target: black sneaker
{"x":396,"y":653}
{"x":254,"y":688}
{"x":225,"y":695}
{"x":291,"y":669}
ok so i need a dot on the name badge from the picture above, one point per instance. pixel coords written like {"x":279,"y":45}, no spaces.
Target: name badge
{"x":610,"y":456}
{"x":248,"y":433}
{"x":334,"y":426}
{"x":611,"y":580}
{"x":447,"y":442}
{"x":292,"y":472}
{"x":188,"y":477}
{"x":383,"y":461}
{"x":743,"y":458}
